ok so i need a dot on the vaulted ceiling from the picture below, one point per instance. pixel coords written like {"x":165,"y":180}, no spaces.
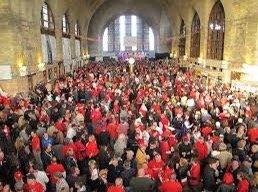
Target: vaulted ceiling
{"x":154,"y":12}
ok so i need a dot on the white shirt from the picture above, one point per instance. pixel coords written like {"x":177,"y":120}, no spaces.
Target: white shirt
{"x":190,"y":102}
{"x":41,"y":176}
{"x":71,"y":133}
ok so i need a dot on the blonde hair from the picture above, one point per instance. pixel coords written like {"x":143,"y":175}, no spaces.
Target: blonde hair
{"x":19,"y":143}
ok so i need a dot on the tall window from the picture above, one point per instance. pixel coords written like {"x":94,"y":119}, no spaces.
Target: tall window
{"x":122,"y":32}
{"x":151,"y":40}
{"x":105,"y":40}
{"x":182,"y":39}
{"x":195,"y":37}
{"x":216,"y":28}
{"x":77,"y":31}
{"x":65,"y":25}
{"x":128,"y":33}
{"x":77,"y":42}
{"x":48,"y":40}
{"x":47,"y":21}
{"x":134,"y":30}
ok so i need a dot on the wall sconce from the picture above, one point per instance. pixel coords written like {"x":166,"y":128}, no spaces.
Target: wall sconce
{"x":87,"y":56}
{"x":41,"y":66}
{"x":171,"y":55}
{"x":23,"y":70}
{"x":185,"y":57}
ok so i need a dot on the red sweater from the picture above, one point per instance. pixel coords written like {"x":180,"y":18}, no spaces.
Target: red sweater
{"x":35,"y":143}
{"x":115,"y":189}
{"x":202,"y":149}
{"x":33,"y":187}
{"x":91,"y":149}
{"x":243,"y":186}
{"x":170,"y":186}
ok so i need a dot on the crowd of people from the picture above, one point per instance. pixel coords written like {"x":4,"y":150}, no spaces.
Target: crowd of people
{"x":102,"y":128}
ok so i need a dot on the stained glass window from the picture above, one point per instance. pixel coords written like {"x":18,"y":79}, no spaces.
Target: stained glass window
{"x":182,"y":38}
{"x":216,"y":28}
{"x":195,"y":37}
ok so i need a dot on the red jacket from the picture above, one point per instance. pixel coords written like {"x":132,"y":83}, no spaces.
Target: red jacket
{"x":171,"y":186}
{"x":115,"y":189}
{"x":112,"y":130}
{"x":164,"y":148}
{"x":91,"y":149}
{"x":156,"y":167}
{"x":35,"y":143}
{"x":202,"y":149}
{"x":33,"y":187}
{"x":60,"y":125}
{"x":195,"y":172}
{"x":80,"y":150}
{"x":243,"y":186}
{"x":252,"y":134}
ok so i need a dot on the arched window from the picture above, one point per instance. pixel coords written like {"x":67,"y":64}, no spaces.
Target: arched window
{"x":77,"y":30}
{"x":182,"y":39}
{"x":77,"y":33}
{"x":47,"y":21}
{"x":128,"y":33}
{"x":65,"y":25}
{"x":216,"y":28}
{"x":48,"y":40}
{"x":195,"y":37}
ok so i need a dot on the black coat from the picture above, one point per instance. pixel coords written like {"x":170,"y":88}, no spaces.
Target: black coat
{"x":209,"y":179}
{"x":226,"y":188}
{"x":113,"y":173}
{"x":104,"y":159}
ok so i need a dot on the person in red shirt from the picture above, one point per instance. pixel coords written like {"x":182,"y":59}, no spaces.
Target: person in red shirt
{"x":194,"y":173}
{"x":60,"y":125}
{"x":54,"y":167}
{"x":164,"y":148}
{"x":243,"y":184}
{"x":112,"y":129}
{"x":171,"y":185}
{"x":118,"y":187}
{"x":35,"y":142}
{"x":33,"y":185}
{"x":202,"y":148}
{"x":36,"y":149}
{"x":91,"y":147}
{"x":156,"y":165}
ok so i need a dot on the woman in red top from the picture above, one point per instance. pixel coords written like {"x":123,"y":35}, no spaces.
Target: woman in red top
{"x":202,"y":148}
{"x":243,"y":184}
{"x":118,"y":187}
{"x":171,"y":185}
{"x":156,"y":165}
{"x":33,"y":185}
{"x":91,"y":147}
